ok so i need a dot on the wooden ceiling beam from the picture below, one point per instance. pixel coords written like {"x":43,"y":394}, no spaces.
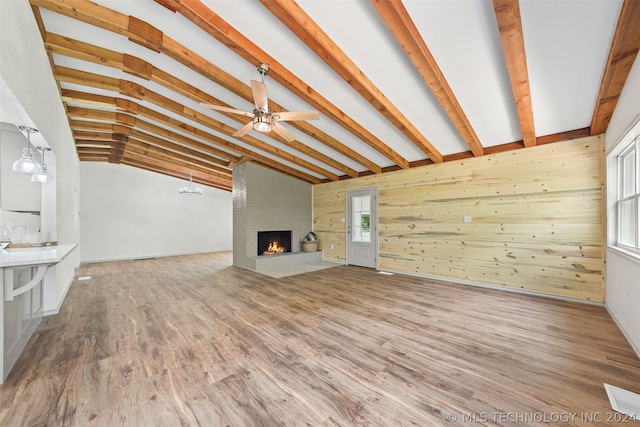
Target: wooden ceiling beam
{"x":90,"y":157}
{"x":179,"y":140}
{"x":310,"y":33}
{"x":169,"y":81}
{"x":140,"y":147}
{"x":86,"y":98}
{"x":622,"y":55}
{"x":171,"y":169}
{"x":214,"y":25}
{"x":510,"y":25}
{"x":136,"y":91}
{"x":169,"y":164}
{"x":563,"y":136}
{"x":112,"y":127}
{"x":110,"y":20}
{"x":144,"y":150}
{"x":93,"y":150}
{"x":178,"y":150}
{"x":191,"y":60}
{"x":140,"y":68}
{"x":88,"y":12}
{"x":405,"y":31}
{"x":121,"y":133}
{"x":92,"y":143}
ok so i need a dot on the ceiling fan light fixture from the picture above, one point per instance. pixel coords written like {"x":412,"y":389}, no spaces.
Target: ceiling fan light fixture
{"x":262,"y":121}
{"x":263,"y":118}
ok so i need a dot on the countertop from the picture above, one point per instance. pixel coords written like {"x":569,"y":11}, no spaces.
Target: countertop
{"x":35,"y":256}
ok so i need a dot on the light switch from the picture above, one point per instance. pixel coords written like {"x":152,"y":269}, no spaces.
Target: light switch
{"x":467,"y":218}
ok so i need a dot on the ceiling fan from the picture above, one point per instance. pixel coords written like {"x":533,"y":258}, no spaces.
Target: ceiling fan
{"x":265,"y":120}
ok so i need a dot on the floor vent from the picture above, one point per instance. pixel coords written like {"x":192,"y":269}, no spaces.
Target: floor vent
{"x":84,"y":278}
{"x":624,"y":401}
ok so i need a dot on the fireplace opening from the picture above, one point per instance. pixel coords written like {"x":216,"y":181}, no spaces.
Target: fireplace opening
{"x":274,"y":242}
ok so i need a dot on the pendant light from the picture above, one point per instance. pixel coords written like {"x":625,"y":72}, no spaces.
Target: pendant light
{"x":26,"y":163}
{"x":42,"y":175}
{"x":190,"y":189}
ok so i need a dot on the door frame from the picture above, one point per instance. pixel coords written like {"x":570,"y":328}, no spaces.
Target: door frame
{"x":374,"y":221}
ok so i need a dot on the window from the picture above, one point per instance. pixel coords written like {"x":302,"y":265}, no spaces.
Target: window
{"x":628,"y":194}
{"x":361,"y":214}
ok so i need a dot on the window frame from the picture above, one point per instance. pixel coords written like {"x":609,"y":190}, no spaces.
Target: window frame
{"x":630,"y":143}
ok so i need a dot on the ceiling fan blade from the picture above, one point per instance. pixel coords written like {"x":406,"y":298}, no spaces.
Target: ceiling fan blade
{"x":244,"y":129}
{"x":227,"y":109}
{"x":283,"y":132}
{"x":296,"y":115}
{"x":260,"y":95}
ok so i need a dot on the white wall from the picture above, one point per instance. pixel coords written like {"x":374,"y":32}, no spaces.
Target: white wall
{"x":623,"y":285}
{"x":17,"y":192}
{"x":130,"y":213}
{"x":25,"y":69}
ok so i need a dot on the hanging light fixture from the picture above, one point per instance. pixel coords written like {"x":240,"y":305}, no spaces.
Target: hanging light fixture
{"x":190,"y":189}
{"x":41,"y":175}
{"x":262,"y":121}
{"x":26,"y":163}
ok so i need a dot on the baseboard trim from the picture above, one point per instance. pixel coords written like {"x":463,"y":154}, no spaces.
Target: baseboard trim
{"x":496,"y":287}
{"x":635,"y":348}
{"x":144,"y":257}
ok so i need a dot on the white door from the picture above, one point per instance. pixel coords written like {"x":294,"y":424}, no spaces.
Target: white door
{"x":362,"y":227}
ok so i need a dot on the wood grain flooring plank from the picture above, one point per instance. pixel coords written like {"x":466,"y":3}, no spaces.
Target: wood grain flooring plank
{"x":191,"y":340}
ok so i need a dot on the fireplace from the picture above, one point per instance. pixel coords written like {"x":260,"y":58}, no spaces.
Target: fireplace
{"x":274,"y":242}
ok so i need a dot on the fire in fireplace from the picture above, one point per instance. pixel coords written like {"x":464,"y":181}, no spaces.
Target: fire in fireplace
{"x":273,"y":248}
{"x":274,"y":242}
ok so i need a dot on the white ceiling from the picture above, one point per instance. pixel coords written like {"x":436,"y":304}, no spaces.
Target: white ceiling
{"x":12,"y":112}
{"x":566,"y":44}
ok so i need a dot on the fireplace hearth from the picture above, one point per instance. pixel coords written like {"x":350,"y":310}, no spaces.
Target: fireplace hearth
{"x":274,"y":242}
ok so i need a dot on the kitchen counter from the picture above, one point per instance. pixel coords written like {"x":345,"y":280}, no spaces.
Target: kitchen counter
{"x":23,"y":273}
{"x":35,"y":256}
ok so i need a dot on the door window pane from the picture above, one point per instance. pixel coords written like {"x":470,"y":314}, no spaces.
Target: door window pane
{"x":361,"y":217}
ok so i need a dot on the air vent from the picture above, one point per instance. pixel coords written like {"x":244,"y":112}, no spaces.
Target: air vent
{"x":624,"y":401}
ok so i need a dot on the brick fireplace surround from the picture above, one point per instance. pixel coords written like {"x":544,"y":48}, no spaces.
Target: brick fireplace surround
{"x":267,"y":200}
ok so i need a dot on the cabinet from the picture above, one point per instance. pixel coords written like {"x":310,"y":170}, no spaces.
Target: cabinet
{"x":17,"y":192}
{"x":22,"y":274}
{"x":21,"y":315}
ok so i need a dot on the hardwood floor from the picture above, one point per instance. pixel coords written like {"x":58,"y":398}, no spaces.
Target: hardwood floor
{"x":191,"y":340}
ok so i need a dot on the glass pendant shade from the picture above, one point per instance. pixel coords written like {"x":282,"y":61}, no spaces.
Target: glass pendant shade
{"x":26,"y":163}
{"x":41,"y":174}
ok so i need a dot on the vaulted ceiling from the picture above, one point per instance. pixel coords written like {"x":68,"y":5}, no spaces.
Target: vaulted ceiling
{"x":398,"y":84}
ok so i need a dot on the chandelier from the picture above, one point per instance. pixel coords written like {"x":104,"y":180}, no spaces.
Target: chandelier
{"x":190,"y":189}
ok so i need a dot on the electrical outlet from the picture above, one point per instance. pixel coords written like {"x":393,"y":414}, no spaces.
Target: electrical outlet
{"x":332,"y":247}
{"x":467,"y":218}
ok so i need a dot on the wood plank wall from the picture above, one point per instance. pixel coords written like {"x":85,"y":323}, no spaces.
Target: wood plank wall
{"x":537,"y":219}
